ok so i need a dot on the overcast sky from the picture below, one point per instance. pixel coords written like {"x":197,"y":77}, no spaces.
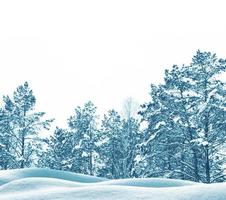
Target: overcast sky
{"x":105,"y":51}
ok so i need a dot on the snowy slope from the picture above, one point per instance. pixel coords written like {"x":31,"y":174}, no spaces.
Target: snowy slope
{"x":148,"y":182}
{"x":24,"y":186}
{"x":10,"y":175}
{"x":27,"y":184}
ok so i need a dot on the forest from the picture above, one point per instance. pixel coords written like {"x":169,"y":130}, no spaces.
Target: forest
{"x":179,"y":134}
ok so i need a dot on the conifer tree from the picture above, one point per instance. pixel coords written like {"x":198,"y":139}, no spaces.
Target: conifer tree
{"x":186,"y":122}
{"x":84,"y":135}
{"x":23,"y":125}
{"x":57,"y":155}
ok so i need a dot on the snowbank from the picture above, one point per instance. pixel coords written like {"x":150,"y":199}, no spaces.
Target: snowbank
{"x":10,"y":175}
{"x":40,"y":184}
{"x":148,"y":182}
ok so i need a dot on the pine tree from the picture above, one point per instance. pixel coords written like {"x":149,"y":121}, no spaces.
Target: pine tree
{"x":84,"y":135}
{"x":7,"y":159}
{"x":183,"y":100}
{"x":110,"y":149}
{"x":186,"y":122}
{"x":118,"y":145}
{"x":210,"y":111}
{"x":162,"y":137}
{"x":23,"y":125}
{"x":130,"y":138}
{"x":57,"y":155}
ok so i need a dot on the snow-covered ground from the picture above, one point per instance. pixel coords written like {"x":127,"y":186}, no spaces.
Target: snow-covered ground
{"x":44,"y":184}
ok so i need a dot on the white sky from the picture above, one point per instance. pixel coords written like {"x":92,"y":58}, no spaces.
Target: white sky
{"x":105,"y":51}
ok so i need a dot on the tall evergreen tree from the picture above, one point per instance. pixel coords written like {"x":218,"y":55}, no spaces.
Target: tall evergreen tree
{"x":23,"y":125}
{"x":118,"y":145}
{"x":130,"y":139}
{"x":186,"y":121}
{"x":84,"y":135}
{"x":57,"y":154}
{"x":210,"y":111}
{"x":7,"y":159}
{"x":111,"y":145}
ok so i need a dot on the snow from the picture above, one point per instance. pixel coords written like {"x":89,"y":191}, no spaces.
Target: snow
{"x":188,"y":80}
{"x":36,"y":183}
{"x":200,"y":141}
{"x":138,"y":158}
{"x":7,"y":176}
{"x":148,"y":182}
{"x":160,"y":124}
{"x":43,"y":184}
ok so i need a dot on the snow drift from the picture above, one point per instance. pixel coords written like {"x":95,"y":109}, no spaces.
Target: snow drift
{"x":10,"y":175}
{"x":148,"y":182}
{"x":37,"y":184}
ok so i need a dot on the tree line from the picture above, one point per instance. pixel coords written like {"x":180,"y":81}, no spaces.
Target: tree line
{"x":181,"y":131}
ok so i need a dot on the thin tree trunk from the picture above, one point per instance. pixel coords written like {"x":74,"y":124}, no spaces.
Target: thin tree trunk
{"x":23,"y":141}
{"x":22,"y":151}
{"x":206,"y":147}
{"x":90,"y":151}
{"x":195,"y":162}
{"x":207,"y":165}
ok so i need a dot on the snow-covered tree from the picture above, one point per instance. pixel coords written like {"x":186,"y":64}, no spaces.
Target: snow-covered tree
{"x":84,"y":135}
{"x":210,"y":111}
{"x":186,"y":122}
{"x":118,"y":145}
{"x":130,"y":139}
{"x":57,"y":154}
{"x":110,"y":148}
{"x":7,"y":159}
{"x":162,"y":137}
{"x":22,"y":125}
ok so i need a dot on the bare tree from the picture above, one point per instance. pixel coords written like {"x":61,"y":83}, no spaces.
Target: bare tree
{"x":130,"y":108}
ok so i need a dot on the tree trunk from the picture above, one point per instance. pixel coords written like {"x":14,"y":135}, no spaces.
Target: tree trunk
{"x":91,"y":162}
{"x":207,"y":165}
{"x":23,"y":140}
{"x":182,"y":166}
{"x":22,"y":150}
{"x":206,"y":146}
{"x":196,"y":170}
{"x":90,"y":151}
